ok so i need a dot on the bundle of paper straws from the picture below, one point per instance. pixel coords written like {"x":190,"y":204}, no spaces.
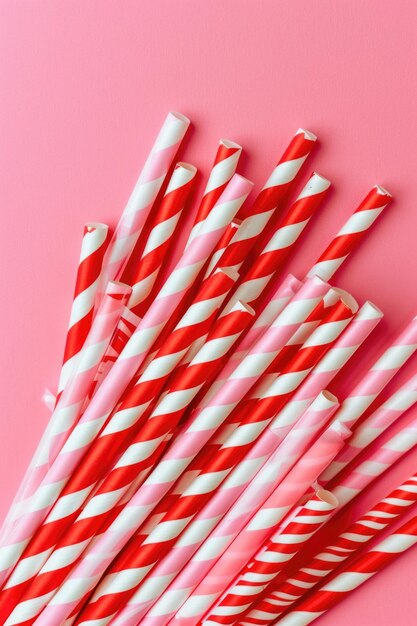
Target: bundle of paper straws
{"x":194,"y":451}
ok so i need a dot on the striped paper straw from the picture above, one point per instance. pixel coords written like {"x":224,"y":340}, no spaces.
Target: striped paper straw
{"x":181,"y":452}
{"x":377,"y":423}
{"x":351,"y":234}
{"x":223,"y":168}
{"x":94,"y":245}
{"x":353,"y":575}
{"x":224,"y":457}
{"x":167,"y":411}
{"x":273,"y":556}
{"x":160,"y":238}
{"x":283,"y":240}
{"x":103,"y":402}
{"x":269,"y":199}
{"x":373,"y":383}
{"x":113,"y":439}
{"x":279,"y":299}
{"x":218,"y":567}
{"x":144,"y":193}
{"x":261,"y":470}
{"x":280,"y":597}
{"x":125,"y":328}
{"x":70,"y":403}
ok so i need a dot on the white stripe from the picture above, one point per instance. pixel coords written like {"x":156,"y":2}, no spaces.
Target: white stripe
{"x":285,"y":236}
{"x":27,"y":568}
{"x":360,"y":221}
{"x":284,"y":172}
{"x":83,"y":303}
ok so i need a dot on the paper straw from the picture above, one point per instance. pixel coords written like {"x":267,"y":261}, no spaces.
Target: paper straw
{"x":331,"y":363}
{"x":68,"y":407}
{"x":228,"y":557}
{"x":121,"y":426}
{"x":377,"y":423}
{"x":373,"y":383}
{"x":230,"y":449}
{"x":354,"y":539}
{"x":283,"y":240}
{"x":279,"y":299}
{"x":268,"y":200}
{"x":272,"y":557}
{"x":160,"y":238}
{"x":262,"y":468}
{"x":351,"y":234}
{"x":270,"y":398}
{"x":94,"y":245}
{"x":222,"y":246}
{"x":256,"y":412}
{"x":144,"y":193}
{"x":125,"y":367}
{"x":125,"y":328}
{"x":167,"y":411}
{"x":353,"y":575}
{"x":182,"y":451}
{"x":223,"y":168}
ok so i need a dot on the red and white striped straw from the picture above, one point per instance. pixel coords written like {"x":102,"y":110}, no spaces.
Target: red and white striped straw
{"x":377,"y":423}
{"x":181,"y":452}
{"x":224,"y":408}
{"x":223,"y":168}
{"x":373,"y":383}
{"x":114,"y":438}
{"x":280,"y":597}
{"x":94,"y":245}
{"x":124,"y":369}
{"x":144,"y":193}
{"x":163,"y":418}
{"x":218,"y":565}
{"x":332,"y":362}
{"x":260,"y":471}
{"x":351,"y":234}
{"x":270,"y":397}
{"x":223,"y":458}
{"x":283,"y":240}
{"x":273,"y":557}
{"x":70,"y":403}
{"x":375,"y":464}
{"x":279,"y":300}
{"x":353,"y":575}
{"x":161,"y":237}
{"x":270,"y":199}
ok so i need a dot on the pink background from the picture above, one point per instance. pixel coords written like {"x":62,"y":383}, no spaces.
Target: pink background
{"x":85,"y":86}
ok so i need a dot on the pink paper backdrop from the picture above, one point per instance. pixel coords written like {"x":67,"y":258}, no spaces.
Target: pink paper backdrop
{"x":84,"y":88}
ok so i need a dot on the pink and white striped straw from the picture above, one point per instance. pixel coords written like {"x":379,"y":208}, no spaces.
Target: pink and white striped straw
{"x":183,"y":449}
{"x":70,"y":403}
{"x":104,"y":401}
{"x":219,"y":561}
{"x":373,"y":383}
{"x":144,"y":194}
{"x":377,"y":423}
{"x":111,"y":442}
{"x":261,"y":470}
